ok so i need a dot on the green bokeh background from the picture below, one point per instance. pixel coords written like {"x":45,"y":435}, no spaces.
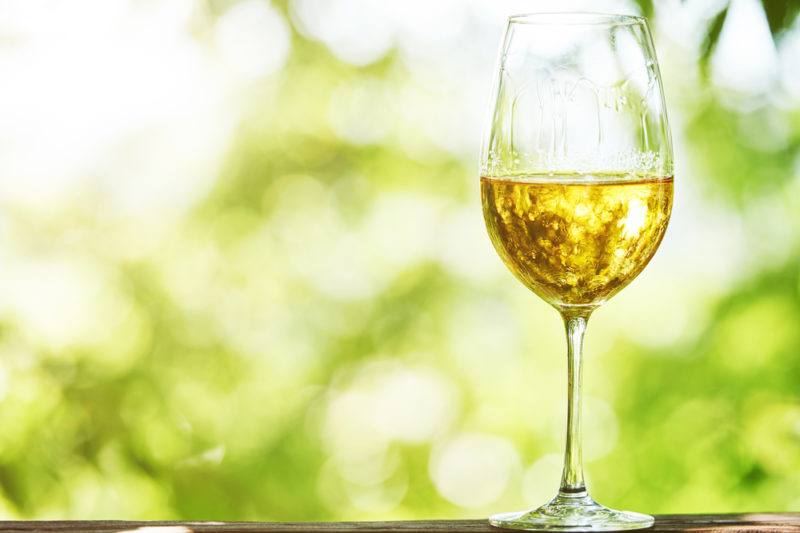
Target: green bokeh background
{"x":325,"y":333}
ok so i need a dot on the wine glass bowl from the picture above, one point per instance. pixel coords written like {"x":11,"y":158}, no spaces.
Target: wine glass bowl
{"x":576,"y":240}
{"x":576,"y":189}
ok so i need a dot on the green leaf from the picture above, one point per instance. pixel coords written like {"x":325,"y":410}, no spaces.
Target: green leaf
{"x":710,"y":42}
{"x":646,"y":7}
{"x":780,"y":13}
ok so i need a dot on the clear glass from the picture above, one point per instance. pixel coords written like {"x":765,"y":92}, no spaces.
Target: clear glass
{"x":577,"y":187}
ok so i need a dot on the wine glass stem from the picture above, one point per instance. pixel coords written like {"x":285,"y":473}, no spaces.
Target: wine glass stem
{"x":572,"y":484}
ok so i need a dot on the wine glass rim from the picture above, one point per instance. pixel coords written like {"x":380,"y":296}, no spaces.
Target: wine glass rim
{"x":576,"y":18}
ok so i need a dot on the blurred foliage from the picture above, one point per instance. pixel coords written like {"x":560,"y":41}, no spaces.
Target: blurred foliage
{"x":327,"y":335}
{"x":780,"y":15}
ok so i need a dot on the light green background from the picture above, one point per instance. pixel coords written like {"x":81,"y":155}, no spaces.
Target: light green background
{"x":244,"y":273}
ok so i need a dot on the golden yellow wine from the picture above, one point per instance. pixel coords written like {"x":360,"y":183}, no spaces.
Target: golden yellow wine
{"x":576,"y":239}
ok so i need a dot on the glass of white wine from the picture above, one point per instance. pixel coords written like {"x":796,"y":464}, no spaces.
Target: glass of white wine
{"x":576,"y":187}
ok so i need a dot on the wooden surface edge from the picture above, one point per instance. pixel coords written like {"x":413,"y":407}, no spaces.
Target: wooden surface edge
{"x":698,"y":523}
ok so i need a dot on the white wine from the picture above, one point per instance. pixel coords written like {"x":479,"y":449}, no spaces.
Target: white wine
{"x":576,"y":239}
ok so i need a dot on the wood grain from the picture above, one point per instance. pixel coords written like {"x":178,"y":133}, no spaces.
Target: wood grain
{"x":722,"y":523}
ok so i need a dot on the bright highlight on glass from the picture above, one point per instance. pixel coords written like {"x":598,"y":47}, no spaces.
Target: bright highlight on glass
{"x":577,"y":186}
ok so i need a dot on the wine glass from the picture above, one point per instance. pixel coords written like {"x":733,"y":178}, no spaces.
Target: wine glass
{"x":576,"y":187}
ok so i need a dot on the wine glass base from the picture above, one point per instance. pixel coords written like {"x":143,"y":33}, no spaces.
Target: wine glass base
{"x":566,"y":513}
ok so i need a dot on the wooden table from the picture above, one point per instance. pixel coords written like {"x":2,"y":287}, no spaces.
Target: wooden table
{"x":724,"y":523}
